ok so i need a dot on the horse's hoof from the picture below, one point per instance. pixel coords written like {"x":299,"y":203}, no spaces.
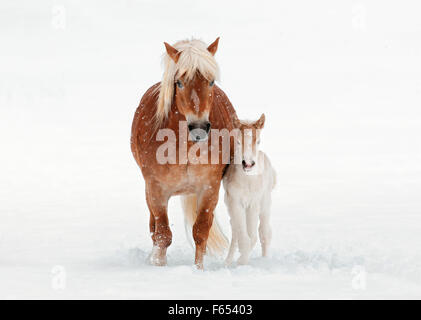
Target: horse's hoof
{"x":158,"y":257}
{"x":158,"y":262}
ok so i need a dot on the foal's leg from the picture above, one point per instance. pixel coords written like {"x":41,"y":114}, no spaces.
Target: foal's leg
{"x":233,"y":246}
{"x":158,"y":224}
{"x":265,"y":231}
{"x":252,"y":220}
{"x":239,"y":229}
{"x":207,"y":200}
{"x":244,"y":244}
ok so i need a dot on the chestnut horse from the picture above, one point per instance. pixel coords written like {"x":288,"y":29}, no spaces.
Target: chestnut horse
{"x":187,"y":92}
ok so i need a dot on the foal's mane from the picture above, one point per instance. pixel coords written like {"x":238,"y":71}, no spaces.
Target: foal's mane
{"x":194,"y":57}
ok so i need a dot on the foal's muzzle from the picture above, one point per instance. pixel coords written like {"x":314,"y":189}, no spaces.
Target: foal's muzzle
{"x":248,"y":165}
{"x":199,"y":130}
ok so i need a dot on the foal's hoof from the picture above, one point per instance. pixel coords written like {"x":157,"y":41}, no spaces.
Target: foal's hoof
{"x":242,"y":261}
{"x":228,"y":262}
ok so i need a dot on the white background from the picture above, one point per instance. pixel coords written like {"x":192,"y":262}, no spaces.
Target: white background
{"x":339,"y":82}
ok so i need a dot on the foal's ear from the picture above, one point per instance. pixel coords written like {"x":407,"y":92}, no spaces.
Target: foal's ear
{"x":172,"y":52}
{"x":261,"y":122}
{"x":213,"y":46}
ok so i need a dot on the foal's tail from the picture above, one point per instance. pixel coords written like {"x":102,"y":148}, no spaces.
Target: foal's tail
{"x":217,"y":241}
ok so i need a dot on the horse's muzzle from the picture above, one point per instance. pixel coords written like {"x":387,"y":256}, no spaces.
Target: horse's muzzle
{"x":199,"y":130}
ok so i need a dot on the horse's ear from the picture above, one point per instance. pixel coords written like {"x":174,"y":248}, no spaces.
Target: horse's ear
{"x":261,"y":122}
{"x":213,"y":46}
{"x":172,"y":52}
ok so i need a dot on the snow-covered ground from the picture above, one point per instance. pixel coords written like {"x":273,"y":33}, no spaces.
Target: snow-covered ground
{"x":340,"y":83}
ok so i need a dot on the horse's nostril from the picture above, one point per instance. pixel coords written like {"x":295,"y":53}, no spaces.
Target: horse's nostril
{"x":208,"y":126}
{"x":244,"y":163}
{"x":253,"y":163}
{"x":191,"y":127}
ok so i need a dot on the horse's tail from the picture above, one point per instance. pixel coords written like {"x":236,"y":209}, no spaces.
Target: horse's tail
{"x":217,"y":241}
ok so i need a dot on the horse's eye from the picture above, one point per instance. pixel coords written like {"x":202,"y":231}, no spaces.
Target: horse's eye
{"x":179,"y":84}
{"x":212,"y":83}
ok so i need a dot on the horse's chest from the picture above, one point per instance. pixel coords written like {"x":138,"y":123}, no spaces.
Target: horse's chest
{"x":200,"y":174}
{"x":187,"y":178}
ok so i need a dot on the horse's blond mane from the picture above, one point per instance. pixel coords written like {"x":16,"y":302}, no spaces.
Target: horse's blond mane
{"x":194,"y":57}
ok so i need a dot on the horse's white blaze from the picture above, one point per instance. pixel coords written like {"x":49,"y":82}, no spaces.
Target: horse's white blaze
{"x":195,"y":98}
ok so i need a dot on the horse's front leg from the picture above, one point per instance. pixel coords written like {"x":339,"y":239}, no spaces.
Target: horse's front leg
{"x":159,"y":225}
{"x":207,"y":201}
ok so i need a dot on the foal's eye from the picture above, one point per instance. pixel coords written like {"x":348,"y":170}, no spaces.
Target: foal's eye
{"x":212,"y":83}
{"x":179,"y":84}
